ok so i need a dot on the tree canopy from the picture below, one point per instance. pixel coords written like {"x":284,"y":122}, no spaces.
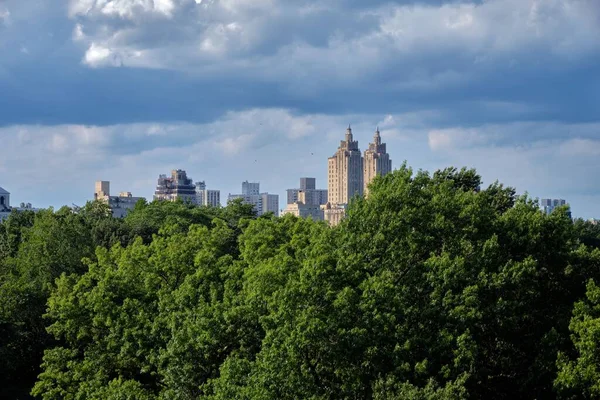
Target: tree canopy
{"x":432,"y":287}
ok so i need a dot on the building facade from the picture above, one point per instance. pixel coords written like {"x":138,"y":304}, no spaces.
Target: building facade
{"x":206,"y":197}
{"x":119,"y":205}
{"x":312,"y":194}
{"x":4,"y":204}
{"x":345,"y":171}
{"x":304,"y":209}
{"x":376,"y":161}
{"x":262,"y":202}
{"x":334,"y":214}
{"x":177,"y":186}
{"x":548,"y":205}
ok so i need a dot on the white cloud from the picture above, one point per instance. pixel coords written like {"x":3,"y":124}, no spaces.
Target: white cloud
{"x":275,"y":40}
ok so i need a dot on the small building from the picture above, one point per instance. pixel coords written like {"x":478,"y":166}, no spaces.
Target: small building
{"x":119,"y":205}
{"x":262,"y":202}
{"x":334,"y":213}
{"x":304,"y":209}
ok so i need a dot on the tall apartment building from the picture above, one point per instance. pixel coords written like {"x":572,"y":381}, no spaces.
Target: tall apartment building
{"x":312,"y":194}
{"x":5,"y":209}
{"x":548,"y":205}
{"x":376,"y":161}
{"x":206,"y":197}
{"x":262,"y":202}
{"x":177,"y":186}
{"x":119,"y":205}
{"x":346,"y":175}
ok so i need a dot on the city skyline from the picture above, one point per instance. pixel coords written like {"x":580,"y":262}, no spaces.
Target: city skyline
{"x":255,"y":90}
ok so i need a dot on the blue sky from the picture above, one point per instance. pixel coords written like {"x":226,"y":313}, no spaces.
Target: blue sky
{"x":263,"y":90}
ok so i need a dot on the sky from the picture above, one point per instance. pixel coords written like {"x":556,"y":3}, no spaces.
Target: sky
{"x":263,"y":90}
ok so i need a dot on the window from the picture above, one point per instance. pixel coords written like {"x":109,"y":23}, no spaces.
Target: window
{"x":1,"y":200}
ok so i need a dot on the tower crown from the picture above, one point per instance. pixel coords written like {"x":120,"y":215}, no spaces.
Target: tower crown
{"x":349,"y":137}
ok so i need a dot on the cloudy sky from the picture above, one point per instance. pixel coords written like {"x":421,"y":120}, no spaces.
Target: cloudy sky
{"x":263,"y":90}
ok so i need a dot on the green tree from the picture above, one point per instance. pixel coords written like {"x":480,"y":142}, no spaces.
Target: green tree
{"x":579,"y":376}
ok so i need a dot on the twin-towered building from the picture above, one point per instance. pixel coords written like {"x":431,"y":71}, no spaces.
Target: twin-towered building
{"x":350,"y":173}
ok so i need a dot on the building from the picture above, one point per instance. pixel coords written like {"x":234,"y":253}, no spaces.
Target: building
{"x":313,"y":195}
{"x":304,"y":209}
{"x":548,"y":205}
{"x":5,"y":208}
{"x":206,"y":197}
{"x":177,"y":186}
{"x":262,"y":202}
{"x":334,"y":214}
{"x":376,"y":161}
{"x":119,"y":205}
{"x":346,"y":175}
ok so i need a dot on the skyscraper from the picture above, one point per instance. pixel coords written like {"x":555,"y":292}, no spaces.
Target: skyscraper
{"x":376,"y":161}
{"x":548,"y":205}
{"x":345,"y":171}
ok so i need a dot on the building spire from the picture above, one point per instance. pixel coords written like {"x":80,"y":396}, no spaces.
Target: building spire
{"x":349,"y":137}
{"x":377,"y":137}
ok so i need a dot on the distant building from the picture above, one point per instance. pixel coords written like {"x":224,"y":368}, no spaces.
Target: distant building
{"x":345,"y":171}
{"x":376,"y":161}
{"x":303,"y":208}
{"x":6,"y":209}
{"x":262,"y":202}
{"x":119,"y":205}
{"x":334,"y":214}
{"x":177,"y":186}
{"x":313,"y":195}
{"x":206,"y":197}
{"x":548,"y":205}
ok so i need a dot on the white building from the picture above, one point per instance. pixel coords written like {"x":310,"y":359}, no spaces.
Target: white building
{"x":206,"y":197}
{"x":262,"y":202}
{"x":119,"y":205}
{"x":5,"y":209}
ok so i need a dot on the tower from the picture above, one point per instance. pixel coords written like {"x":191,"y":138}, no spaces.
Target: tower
{"x":345,"y":171}
{"x":376,"y":161}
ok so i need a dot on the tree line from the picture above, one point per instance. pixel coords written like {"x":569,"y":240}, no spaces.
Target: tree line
{"x":430,"y":288}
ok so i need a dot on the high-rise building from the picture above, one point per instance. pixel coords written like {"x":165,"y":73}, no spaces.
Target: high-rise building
{"x":119,"y":205}
{"x":303,"y":208}
{"x":250,"y":188}
{"x":308,"y":183}
{"x":345,"y":171}
{"x":177,"y":186}
{"x":206,"y":197}
{"x":313,"y":195}
{"x":262,"y":202}
{"x":376,"y":161}
{"x":548,"y":205}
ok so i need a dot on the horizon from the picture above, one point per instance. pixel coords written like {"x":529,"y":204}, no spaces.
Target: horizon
{"x":263,"y":91}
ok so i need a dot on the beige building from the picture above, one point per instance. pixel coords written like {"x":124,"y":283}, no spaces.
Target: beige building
{"x":345,"y":172}
{"x":376,"y":161}
{"x":333,"y":214}
{"x":119,"y":205}
{"x":304,"y":207}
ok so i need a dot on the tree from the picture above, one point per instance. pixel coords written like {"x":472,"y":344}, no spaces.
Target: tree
{"x":579,"y":376}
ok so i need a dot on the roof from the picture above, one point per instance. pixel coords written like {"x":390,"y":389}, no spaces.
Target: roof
{"x":3,"y":191}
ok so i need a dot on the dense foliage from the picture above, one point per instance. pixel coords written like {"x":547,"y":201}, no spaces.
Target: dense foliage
{"x":431,"y":288}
